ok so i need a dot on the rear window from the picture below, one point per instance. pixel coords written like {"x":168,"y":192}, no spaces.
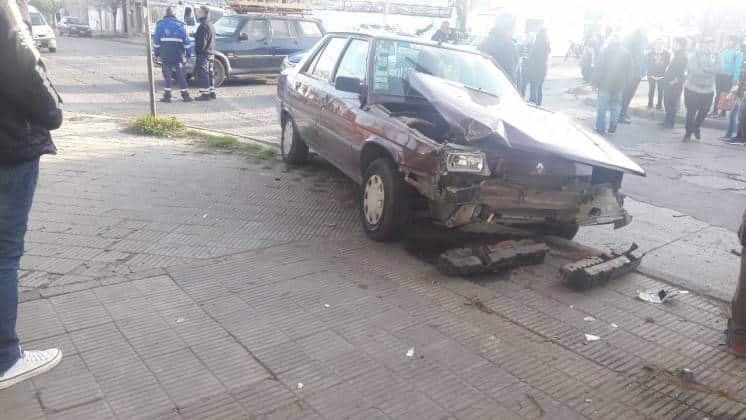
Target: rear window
{"x":37,"y":20}
{"x":310,"y":29}
{"x":328,"y":59}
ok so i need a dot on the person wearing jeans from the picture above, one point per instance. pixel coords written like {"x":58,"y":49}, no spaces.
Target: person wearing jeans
{"x":699,"y":88}
{"x":658,"y":60}
{"x":204,"y":49}
{"x":31,"y":108}
{"x":612,"y":73}
{"x":673,"y":82}
{"x":733,"y":120}
{"x":536,"y":66}
{"x":731,"y":59}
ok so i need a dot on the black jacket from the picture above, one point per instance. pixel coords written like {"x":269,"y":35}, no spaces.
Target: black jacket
{"x":657,"y":63}
{"x":613,"y":68}
{"x":674,"y":75}
{"x":536,"y":64}
{"x":30,"y":106}
{"x":504,"y":51}
{"x":204,"y":38}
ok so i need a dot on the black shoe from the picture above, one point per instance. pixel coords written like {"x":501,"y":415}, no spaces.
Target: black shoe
{"x":697,"y":134}
{"x":624,"y":120}
{"x":612,"y":128}
{"x":213,"y":95}
{"x":166,"y":98}
{"x":599,"y":132}
{"x":687,"y":137}
{"x":203,"y":97}
{"x":186,"y":98}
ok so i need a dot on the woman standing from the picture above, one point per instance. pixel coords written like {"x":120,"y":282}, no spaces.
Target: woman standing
{"x":536,"y":66}
{"x":699,"y":89}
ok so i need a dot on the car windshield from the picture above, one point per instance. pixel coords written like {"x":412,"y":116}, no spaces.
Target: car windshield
{"x":227,"y":25}
{"x":73,"y":21}
{"x":36,"y":19}
{"x":395,"y":59}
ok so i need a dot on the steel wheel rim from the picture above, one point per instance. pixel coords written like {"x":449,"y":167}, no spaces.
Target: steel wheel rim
{"x":373,"y":199}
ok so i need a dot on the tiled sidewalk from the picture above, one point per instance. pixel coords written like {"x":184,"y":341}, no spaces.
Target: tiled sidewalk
{"x":187,"y":284}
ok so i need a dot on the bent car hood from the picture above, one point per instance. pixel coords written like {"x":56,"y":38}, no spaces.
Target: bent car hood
{"x":518,"y":125}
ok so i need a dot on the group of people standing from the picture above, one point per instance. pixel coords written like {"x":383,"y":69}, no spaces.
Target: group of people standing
{"x":525,"y":65}
{"x":707,"y":79}
{"x":173,"y":48}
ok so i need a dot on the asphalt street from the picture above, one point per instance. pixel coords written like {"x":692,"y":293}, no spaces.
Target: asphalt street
{"x":693,"y":196}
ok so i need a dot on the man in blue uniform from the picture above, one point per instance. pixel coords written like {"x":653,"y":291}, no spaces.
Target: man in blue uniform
{"x":173,"y":48}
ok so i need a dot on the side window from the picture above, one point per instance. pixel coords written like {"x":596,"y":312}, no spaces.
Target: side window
{"x":328,"y":58}
{"x":355,"y":61}
{"x":310,"y":29}
{"x":282,"y":29}
{"x":256,"y":29}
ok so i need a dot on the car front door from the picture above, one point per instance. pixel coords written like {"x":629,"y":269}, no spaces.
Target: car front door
{"x":253,"y":52}
{"x":285,"y":40}
{"x":337,"y":125}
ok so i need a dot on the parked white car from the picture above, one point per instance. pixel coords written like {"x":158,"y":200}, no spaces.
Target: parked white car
{"x":42,"y":32}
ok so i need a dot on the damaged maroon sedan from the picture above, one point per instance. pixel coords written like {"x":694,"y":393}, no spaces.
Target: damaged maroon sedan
{"x":439,"y":130}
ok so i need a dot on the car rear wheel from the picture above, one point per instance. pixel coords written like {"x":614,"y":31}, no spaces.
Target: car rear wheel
{"x":219,"y":75}
{"x":384,"y":201}
{"x":294,"y":151}
{"x":52,"y":49}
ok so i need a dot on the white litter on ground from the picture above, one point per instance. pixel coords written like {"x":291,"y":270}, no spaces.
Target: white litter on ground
{"x":659,"y":296}
{"x":410,"y":352}
{"x":589,"y":319}
{"x":591,"y":337}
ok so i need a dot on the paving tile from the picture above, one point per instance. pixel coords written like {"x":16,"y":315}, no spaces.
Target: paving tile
{"x":68,"y":385}
{"x":264,"y":397}
{"x":38,"y":319}
{"x":338,"y":402}
{"x":80,"y":310}
{"x":219,"y":406}
{"x":231,"y":363}
{"x":96,"y":410}
{"x":183,"y":376}
{"x":325,"y":345}
{"x":21,"y":402}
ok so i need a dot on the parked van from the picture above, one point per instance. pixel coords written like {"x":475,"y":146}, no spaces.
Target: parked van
{"x":42,"y":32}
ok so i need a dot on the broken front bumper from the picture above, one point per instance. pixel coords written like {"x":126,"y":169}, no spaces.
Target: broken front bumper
{"x":495,"y":201}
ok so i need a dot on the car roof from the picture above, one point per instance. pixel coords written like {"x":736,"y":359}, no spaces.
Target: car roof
{"x":248,"y":16}
{"x":405,"y":38}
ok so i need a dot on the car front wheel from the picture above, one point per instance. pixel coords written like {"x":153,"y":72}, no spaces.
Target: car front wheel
{"x":219,"y":75}
{"x":384,"y":201}
{"x":294,"y":151}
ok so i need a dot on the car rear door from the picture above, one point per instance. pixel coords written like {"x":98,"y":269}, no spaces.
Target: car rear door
{"x":285,"y":40}
{"x":309,"y":91}
{"x":337,"y":125}
{"x":310,"y":33}
{"x":253,"y":51}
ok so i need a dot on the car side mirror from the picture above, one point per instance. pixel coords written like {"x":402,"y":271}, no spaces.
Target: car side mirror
{"x":349,"y":84}
{"x":243,"y":37}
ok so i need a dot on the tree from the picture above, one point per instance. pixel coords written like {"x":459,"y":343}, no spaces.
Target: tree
{"x":113,"y":6}
{"x":48,"y":8}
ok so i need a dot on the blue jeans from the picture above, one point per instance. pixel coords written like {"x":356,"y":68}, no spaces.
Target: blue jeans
{"x":608,"y":101}
{"x":17,"y":186}
{"x":169,"y":69}
{"x":733,"y":121}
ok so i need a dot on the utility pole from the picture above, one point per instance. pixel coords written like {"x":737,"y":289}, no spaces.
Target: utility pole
{"x":149,"y":56}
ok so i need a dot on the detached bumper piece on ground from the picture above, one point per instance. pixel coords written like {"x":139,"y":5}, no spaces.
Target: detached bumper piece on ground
{"x":491,"y":258}
{"x":591,"y":272}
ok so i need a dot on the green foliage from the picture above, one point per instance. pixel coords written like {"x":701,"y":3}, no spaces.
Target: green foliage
{"x":157,"y":126}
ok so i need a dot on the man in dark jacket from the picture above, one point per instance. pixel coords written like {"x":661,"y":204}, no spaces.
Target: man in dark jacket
{"x":173,"y":47}
{"x":673,"y":82}
{"x":30,"y":108}
{"x":635,"y":46}
{"x":500,"y":46}
{"x":611,"y":76}
{"x":657,"y":63}
{"x":204,"y":50}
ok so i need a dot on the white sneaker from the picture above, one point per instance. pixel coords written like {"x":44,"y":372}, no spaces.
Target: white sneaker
{"x":30,"y":364}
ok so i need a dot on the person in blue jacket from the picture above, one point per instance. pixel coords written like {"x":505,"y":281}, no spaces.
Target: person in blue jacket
{"x":173,"y":48}
{"x":731,"y":59}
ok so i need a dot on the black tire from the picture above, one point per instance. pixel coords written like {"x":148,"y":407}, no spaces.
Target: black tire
{"x":396,"y":207}
{"x":53,"y":50}
{"x":296,"y":152}
{"x":219,"y":73}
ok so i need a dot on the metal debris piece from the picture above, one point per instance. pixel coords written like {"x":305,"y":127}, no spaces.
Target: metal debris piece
{"x":660,"y":296}
{"x":589,"y":319}
{"x":410,"y":352}
{"x":686,"y":375}
{"x":590,"y":337}
{"x":492,"y":258}
{"x":614,"y":325}
{"x":591,"y":272}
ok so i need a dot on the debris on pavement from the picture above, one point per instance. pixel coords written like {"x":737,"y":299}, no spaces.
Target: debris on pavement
{"x":612,"y":325}
{"x":660,"y":296}
{"x":326,"y":305}
{"x":735,"y":252}
{"x":684,"y":378}
{"x":478,"y":303}
{"x":492,"y":258}
{"x":595,"y":271}
{"x":589,"y":319}
{"x":300,"y":385}
{"x":649,"y":320}
{"x":410,"y":352}
{"x":590,"y":338}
